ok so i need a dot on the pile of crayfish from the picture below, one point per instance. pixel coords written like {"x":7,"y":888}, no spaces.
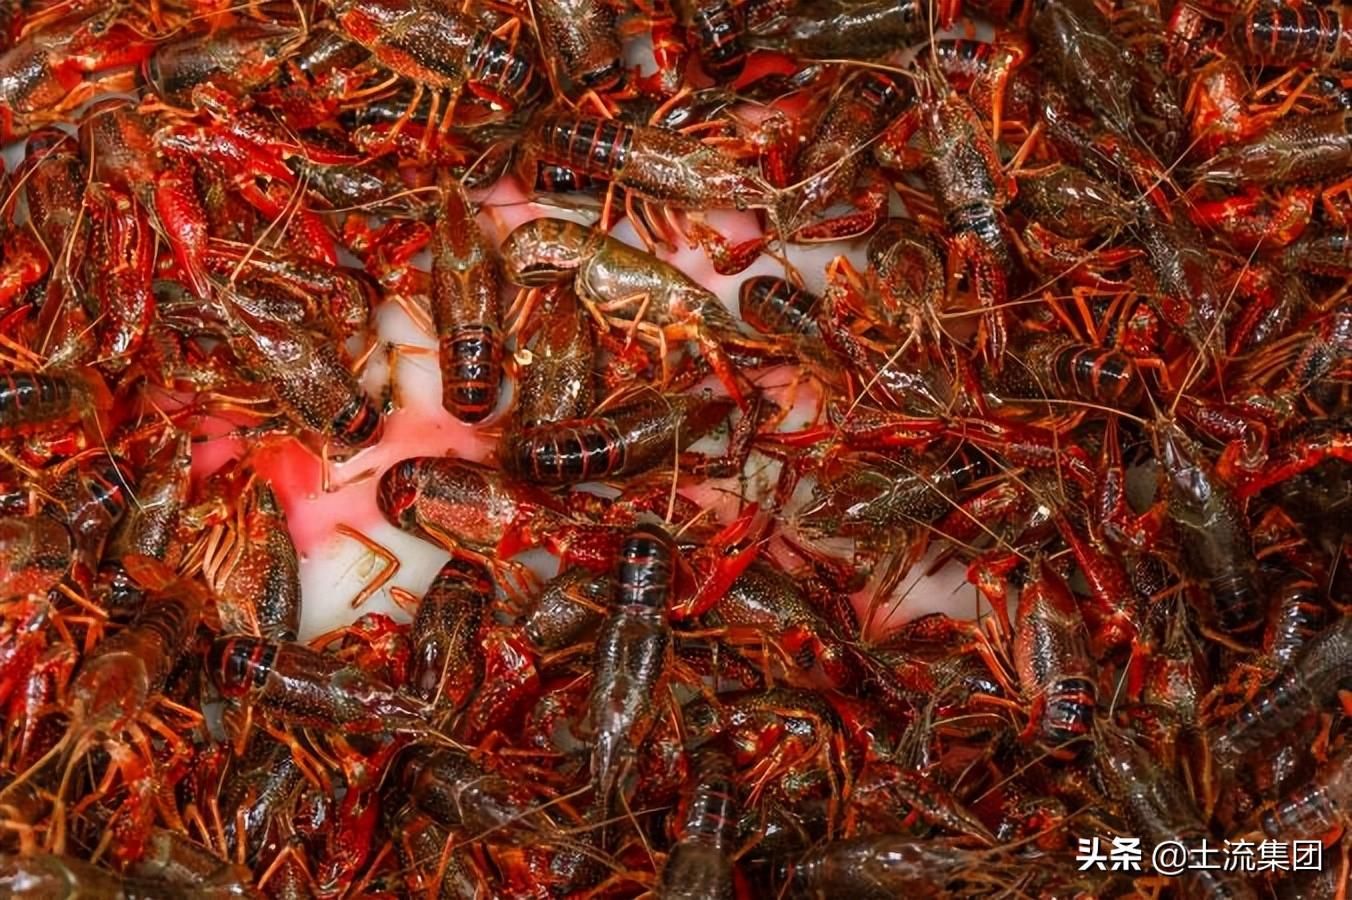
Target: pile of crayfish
{"x":1084,"y":336}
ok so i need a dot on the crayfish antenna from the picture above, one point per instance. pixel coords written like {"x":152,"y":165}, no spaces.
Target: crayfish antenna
{"x":56,"y":838}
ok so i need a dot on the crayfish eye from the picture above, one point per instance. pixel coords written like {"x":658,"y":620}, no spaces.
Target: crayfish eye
{"x":700,"y":717}
{"x":805,"y":657}
{"x":1192,"y":483}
